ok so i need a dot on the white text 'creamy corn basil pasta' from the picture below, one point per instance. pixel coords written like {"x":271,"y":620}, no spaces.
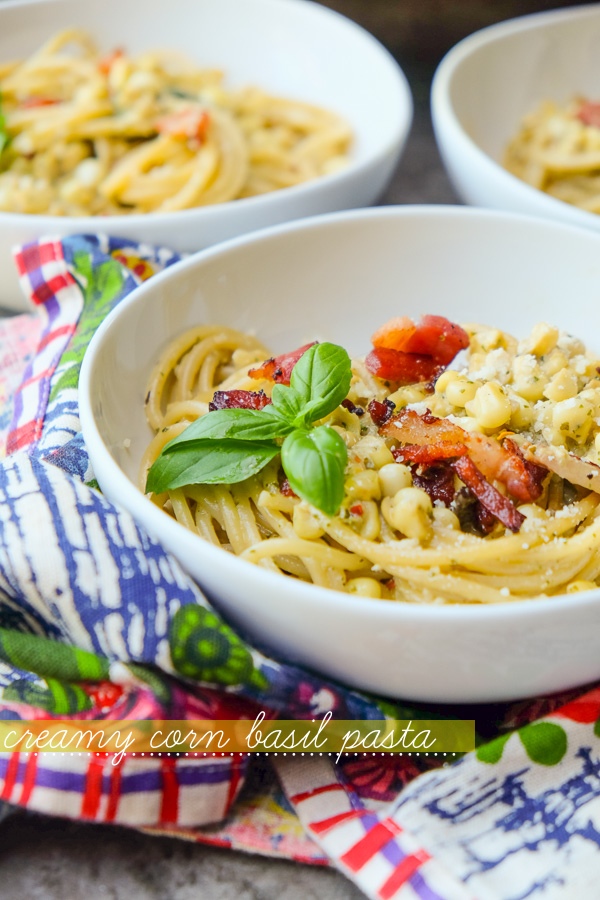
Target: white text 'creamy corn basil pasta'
{"x":394,"y":475}
{"x":85,"y":134}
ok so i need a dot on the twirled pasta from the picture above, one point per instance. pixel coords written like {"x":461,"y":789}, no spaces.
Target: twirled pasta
{"x":92,"y":135}
{"x":541,"y":392}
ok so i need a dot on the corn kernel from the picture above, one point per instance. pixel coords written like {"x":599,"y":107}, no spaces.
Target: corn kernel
{"x":410,"y":512}
{"x":572,"y":419}
{"x":363,"y":485}
{"x":561,"y":386}
{"x":393,"y":477}
{"x":412,"y":393}
{"x":528,"y":379}
{"x":522,"y":413}
{"x":461,"y":391}
{"x":445,"y":518}
{"x":364,"y":587}
{"x":445,"y":379}
{"x":306,"y":521}
{"x":373,"y":448}
{"x":542,"y":340}
{"x":554,"y":362}
{"x":581,"y":585}
{"x":490,"y":407}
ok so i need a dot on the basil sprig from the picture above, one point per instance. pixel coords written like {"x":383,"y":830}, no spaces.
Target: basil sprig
{"x":229,"y":445}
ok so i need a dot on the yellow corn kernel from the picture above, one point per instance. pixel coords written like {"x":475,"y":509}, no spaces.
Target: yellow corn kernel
{"x":542,"y":340}
{"x":487,"y":339}
{"x":572,"y":419}
{"x":522,"y":413}
{"x":307,"y":524}
{"x":554,"y":362}
{"x":393,"y":477}
{"x":581,"y":585}
{"x":374,"y":449}
{"x":363,"y":485}
{"x":364,"y":587}
{"x":490,"y":407}
{"x":528,"y":378}
{"x":445,"y":518}
{"x":410,"y":512}
{"x":461,"y":391}
{"x":370,"y":521}
{"x":445,"y":379}
{"x":348,"y":437}
{"x":412,"y":393}
{"x":561,"y":386}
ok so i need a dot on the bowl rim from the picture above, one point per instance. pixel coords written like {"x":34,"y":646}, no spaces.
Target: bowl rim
{"x":447,"y":125}
{"x":146,"y":514}
{"x":404,"y":110}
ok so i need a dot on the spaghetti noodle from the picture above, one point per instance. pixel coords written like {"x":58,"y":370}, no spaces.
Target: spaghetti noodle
{"x":92,"y":135}
{"x":479,"y":485}
{"x":557,"y":150}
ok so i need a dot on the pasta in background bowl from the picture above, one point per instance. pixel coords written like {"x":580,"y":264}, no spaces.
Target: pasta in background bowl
{"x":186,"y":124}
{"x":336,"y":279}
{"x":490,"y":83}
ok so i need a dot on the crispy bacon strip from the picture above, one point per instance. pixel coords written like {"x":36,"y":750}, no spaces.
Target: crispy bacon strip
{"x":381,"y":412}
{"x":490,"y":498}
{"x":238,"y":400}
{"x":428,"y":454}
{"x":496,"y":462}
{"x":279,"y":368}
{"x":437,"y":481}
{"x":566,"y":465}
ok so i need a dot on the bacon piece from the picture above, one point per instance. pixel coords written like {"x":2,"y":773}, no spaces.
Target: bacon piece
{"x":437,"y":481}
{"x":490,"y":498}
{"x":279,"y":368}
{"x":566,"y":465}
{"x":473,"y":517}
{"x":589,"y":113}
{"x":400,"y":367}
{"x":433,"y":336}
{"x":494,"y":461}
{"x":186,"y":124}
{"x":381,"y":412}
{"x":286,"y":488}
{"x":531,"y":475}
{"x":238,"y":400}
{"x":428,"y":454}
{"x":349,"y":405}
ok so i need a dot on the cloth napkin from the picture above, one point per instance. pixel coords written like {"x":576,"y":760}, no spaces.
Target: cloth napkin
{"x":97,"y":621}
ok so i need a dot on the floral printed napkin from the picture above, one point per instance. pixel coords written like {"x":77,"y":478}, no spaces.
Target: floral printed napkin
{"x":98,"y":621}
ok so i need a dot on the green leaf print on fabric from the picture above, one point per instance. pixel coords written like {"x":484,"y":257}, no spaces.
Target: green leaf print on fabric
{"x":203,"y":647}
{"x":58,"y":697}
{"x":100,"y":286}
{"x":51,"y":659}
{"x":545,"y":744}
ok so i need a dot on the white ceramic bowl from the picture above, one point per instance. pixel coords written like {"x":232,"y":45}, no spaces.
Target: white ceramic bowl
{"x":338,"y":277}
{"x":489,"y":81}
{"x":294,"y":48}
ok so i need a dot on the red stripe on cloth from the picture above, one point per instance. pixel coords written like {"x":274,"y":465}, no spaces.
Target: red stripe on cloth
{"x":324,"y":789}
{"x":327,"y":824}
{"x":34,"y":378}
{"x":52,"y":335}
{"x":10,"y":777}
{"x":90,"y":801}
{"x":29,"y":779}
{"x":50,"y":289}
{"x":23,"y":436}
{"x":235,"y":776}
{"x":372,"y":842}
{"x":36,"y":255}
{"x":169,"y":808}
{"x":402,"y":873}
{"x":114,"y":792}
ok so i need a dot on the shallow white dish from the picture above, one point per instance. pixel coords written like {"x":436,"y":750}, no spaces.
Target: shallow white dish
{"x":294,"y":48}
{"x":338,"y":277}
{"x":489,"y":81}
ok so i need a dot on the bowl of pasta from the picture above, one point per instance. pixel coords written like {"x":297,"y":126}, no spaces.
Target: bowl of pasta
{"x":384,"y":469}
{"x":516,"y":112}
{"x":186,"y":124}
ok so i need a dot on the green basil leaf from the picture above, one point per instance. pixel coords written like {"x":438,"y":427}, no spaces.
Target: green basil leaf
{"x":238,"y":424}
{"x":321,"y":377}
{"x":314,"y":462}
{"x":209,"y":462}
{"x":287,"y":401}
